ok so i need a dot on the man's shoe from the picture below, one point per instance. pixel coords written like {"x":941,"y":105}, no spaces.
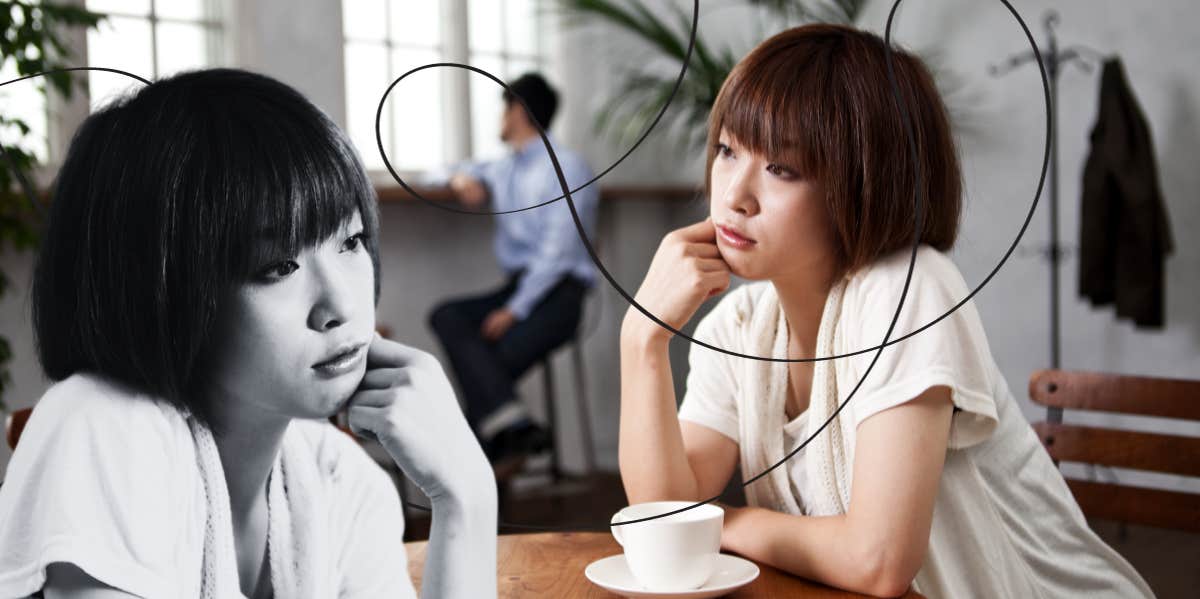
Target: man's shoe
{"x":520,"y":439}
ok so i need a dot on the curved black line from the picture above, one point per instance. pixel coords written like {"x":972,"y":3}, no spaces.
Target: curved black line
{"x":629,"y":298}
{"x":918,"y":220}
{"x":26,"y":187}
{"x":566,"y":190}
{"x":595,"y":258}
{"x":916,"y":240}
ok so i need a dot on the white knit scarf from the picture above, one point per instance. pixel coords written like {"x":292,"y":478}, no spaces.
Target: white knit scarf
{"x":296,"y":535}
{"x":761,"y":405}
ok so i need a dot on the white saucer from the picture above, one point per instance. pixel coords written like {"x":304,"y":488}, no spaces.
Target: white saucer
{"x":730,"y":574}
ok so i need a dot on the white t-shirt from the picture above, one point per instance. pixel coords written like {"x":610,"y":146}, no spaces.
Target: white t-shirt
{"x":107,"y":479}
{"x":1004,"y":523}
{"x":794,"y":433}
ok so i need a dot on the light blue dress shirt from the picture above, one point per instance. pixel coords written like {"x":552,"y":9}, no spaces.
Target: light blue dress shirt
{"x":542,"y":241}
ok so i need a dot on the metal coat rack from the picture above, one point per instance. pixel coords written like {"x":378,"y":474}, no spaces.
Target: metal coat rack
{"x":1055,"y":58}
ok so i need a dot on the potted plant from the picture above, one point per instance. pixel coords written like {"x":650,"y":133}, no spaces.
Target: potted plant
{"x":31,"y":40}
{"x":642,"y":93}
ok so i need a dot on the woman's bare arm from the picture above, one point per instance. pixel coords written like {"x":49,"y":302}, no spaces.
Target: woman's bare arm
{"x":880,"y":543}
{"x":406,"y":402}
{"x":461,"y":557}
{"x":660,"y":457}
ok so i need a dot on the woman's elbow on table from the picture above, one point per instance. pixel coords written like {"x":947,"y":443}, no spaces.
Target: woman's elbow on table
{"x":890,"y":570}
{"x":890,"y":585}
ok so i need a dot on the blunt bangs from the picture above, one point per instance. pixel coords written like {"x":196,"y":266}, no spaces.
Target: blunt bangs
{"x":817,"y":99}
{"x":776,"y":110}
{"x":298,"y":193}
{"x":161,"y":203}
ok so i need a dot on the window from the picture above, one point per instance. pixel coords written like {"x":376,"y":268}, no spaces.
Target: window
{"x":24,"y":101}
{"x":421,"y":119}
{"x":385,"y":39}
{"x":504,"y":42}
{"x":151,"y":39}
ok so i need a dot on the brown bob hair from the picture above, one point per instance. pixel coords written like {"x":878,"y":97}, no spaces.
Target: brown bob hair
{"x":816,"y":99}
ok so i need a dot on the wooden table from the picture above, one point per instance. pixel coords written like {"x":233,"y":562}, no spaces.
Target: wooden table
{"x":551,"y":565}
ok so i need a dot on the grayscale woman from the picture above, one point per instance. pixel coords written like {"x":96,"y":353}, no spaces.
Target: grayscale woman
{"x":204,"y":300}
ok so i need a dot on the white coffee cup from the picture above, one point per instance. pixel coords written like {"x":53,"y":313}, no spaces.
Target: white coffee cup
{"x":673,"y":553}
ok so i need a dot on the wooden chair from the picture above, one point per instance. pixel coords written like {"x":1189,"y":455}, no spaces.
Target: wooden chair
{"x":1172,"y":454}
{"x":14,"y":424}
{"x":551,"y":398}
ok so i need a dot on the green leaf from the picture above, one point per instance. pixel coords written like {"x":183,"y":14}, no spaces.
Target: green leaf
{"x":32,"y":43}
{"x":641,"y":96}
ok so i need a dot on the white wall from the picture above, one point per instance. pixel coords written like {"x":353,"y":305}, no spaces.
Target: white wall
{"x":1000,"y":143}
{"x":1001,"y":152}
{"x":299,"y":43}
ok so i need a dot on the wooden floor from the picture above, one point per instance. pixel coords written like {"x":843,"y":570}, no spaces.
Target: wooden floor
{"x":1169,"y":560}
{"x":536,"y":504}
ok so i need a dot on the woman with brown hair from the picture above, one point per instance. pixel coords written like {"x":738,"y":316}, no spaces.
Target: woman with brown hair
{"x":811,"y":187}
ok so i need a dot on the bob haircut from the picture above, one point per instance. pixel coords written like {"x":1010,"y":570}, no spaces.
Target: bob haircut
{"x":154,"y":216}
{"x":816,"y":99}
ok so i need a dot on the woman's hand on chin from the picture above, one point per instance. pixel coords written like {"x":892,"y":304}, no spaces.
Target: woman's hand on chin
{"x":406,"y":402}
{"x":686,"y":270}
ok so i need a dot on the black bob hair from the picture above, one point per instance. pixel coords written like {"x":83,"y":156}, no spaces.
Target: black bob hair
{"x":155,"y":212}
{"x":538,"y":95}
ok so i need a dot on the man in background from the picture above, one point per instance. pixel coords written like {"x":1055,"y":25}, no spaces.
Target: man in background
{"x":493,"y":338}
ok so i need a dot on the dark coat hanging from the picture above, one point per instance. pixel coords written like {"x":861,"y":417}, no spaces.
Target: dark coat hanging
{"x":1124,"y":235}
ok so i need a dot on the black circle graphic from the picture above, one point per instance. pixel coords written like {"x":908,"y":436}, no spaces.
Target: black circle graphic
{"x":918,"y":220}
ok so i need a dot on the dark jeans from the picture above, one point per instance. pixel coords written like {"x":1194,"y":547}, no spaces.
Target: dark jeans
{"x":487,"y":371}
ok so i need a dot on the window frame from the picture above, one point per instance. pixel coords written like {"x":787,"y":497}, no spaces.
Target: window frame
{"x":390,"y":44}
{"x":506,"y":56}
{"x":457,"y":126}
{"x":214,"y":26}
{"x":64,"y":116}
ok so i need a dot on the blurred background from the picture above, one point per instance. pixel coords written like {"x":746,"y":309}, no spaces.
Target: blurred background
{"x":613,"y":76}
